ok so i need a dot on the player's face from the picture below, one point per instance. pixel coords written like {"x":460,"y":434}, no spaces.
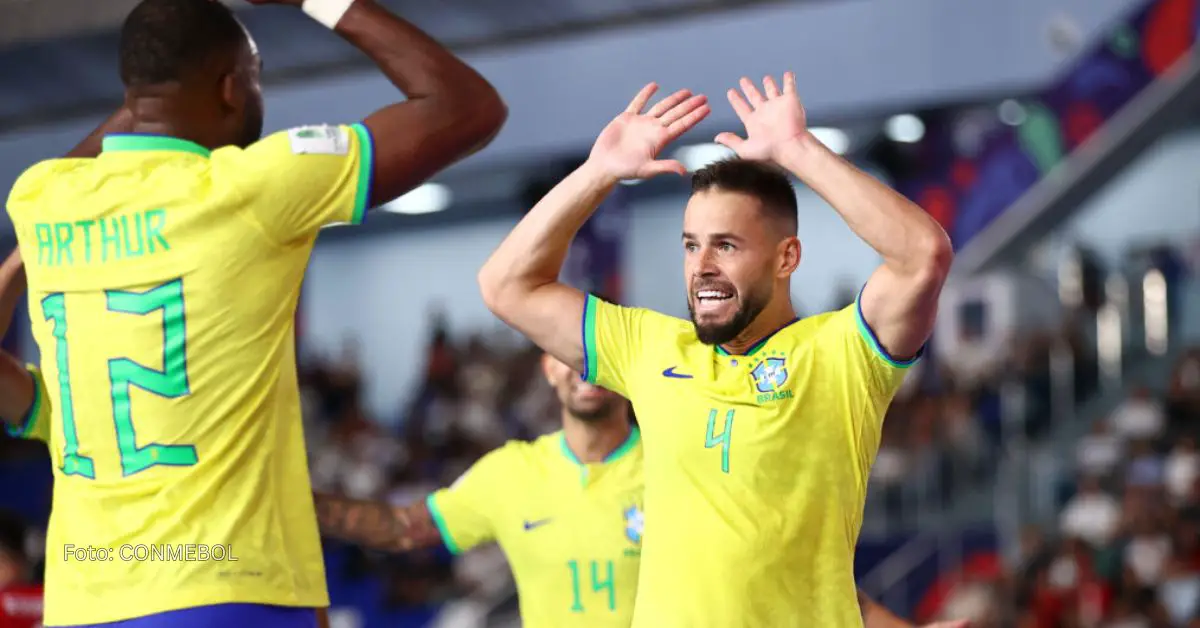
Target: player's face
{"x":581,"y":399}
{"x":730,"y":257}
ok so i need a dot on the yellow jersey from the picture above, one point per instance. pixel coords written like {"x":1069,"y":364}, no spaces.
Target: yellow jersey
{"x":163,"y":284}
{"x":756,"y":466}
{"x":572,"y":532}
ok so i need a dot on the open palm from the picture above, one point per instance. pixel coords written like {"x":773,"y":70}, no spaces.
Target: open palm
{"x":773,"y":118}
{"x":628,"y":147}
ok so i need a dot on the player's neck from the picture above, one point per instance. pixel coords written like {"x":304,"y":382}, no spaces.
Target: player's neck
{"x":162,"y":110}
{"x":593,"y":441}
{"x":774,"y":317}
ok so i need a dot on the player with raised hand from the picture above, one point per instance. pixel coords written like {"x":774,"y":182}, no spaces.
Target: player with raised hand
{"x":164,"y":276}
{"x":760,"y":429}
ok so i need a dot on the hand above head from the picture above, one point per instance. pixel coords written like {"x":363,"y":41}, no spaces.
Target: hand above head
{"x":628,"y":147}
{"x":774,"y":119}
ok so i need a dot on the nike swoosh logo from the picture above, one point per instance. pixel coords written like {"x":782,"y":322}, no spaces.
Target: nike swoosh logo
{"x":671,"y":373}
{"x":529,"y":525}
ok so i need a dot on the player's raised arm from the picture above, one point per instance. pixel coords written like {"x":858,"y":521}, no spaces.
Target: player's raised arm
{"x":520,"y":281}
{"x":449,"y":110}
{"x":899,"y":303}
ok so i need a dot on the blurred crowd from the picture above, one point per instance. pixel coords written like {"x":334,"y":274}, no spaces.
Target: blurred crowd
{"x":1126,"y":549}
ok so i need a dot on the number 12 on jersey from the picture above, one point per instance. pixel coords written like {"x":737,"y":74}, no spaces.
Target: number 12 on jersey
{"x":124,"y":374}
{"x":720,"y":440}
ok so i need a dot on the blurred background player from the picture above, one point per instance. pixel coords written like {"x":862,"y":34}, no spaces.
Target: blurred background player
{"x":164,"y":277}
{"x":565,"y":509}
{"x":761,"y":428}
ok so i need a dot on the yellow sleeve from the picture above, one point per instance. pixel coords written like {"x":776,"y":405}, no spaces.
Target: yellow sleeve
{"x":466,"y":511}
{"x":614,"y":340}
{"x":36,"y":423}
{"x":302,"y":179}
{"x":868,"y":376}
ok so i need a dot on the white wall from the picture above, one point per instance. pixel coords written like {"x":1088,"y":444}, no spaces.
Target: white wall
{"x":380,"y":289}
{"x":1156,"y":199}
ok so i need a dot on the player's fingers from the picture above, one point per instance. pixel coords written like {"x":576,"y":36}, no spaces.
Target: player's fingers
{"x":639,"y":102}
{"x":662,"y":166}
{"x":789,"y":82}
{"x":739,"y":104}
{"x":668,"y":103}
{"x":770,"y":88}
{"x":751,"y":90}
{"x":729,"y":140}
{"x":689,"y":120}
{"x":682,"y":108}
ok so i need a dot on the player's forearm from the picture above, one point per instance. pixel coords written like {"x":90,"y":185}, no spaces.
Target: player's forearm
{"x":375,"y":525}
{"x":909,"y":239}
{"x":16,"y":390}
{"x":876,"y":616}
{"x":449,"y":108}
{"x":12,"y":286}
{"x":532,"y":256}
{"x":119,"y":122}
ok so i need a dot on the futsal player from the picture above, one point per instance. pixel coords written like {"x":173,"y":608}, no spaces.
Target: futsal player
{"x":760,"y":428}
{"x":565,"y":508}
{"x":163,"y":278}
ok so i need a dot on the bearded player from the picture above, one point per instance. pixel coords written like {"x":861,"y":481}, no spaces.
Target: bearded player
{"x":565,"y":508}
{"x":164,"y":277}
{"x":760,"y":428}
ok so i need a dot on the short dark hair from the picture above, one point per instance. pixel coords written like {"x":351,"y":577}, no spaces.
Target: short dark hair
{"x":162,"y":40}
{"x":762,"y":180}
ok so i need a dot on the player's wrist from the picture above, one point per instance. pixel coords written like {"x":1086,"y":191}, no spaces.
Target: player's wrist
{"x":796,"y":153}
{"x":598,"y":173}
{"x":327,"y":12}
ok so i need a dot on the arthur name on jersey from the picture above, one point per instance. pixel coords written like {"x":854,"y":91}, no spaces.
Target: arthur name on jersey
{"x":118,"y":237}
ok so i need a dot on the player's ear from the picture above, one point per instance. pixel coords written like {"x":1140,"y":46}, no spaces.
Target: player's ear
{"x":789,"y":256}
{"x":231,"y":97}
{"x":548,"y":368}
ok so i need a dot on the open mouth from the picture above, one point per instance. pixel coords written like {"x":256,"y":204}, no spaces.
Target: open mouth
{"x":712,"y":299}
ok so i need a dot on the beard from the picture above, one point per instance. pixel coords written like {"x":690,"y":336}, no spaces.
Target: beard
{"x":722,"y":333}
{"x":592,"y":413}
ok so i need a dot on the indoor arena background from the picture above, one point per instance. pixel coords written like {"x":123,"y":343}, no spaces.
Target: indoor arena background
{"x":1040,"y":469}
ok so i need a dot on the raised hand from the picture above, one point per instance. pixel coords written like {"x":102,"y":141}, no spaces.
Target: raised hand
{"x":773,"y":118}
{"x":628,"y":147}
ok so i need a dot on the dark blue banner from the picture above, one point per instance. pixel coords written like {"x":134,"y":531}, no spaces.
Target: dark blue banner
{"x":597,"y":255}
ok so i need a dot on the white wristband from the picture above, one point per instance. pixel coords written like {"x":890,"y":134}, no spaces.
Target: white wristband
{"x":327,"y":12}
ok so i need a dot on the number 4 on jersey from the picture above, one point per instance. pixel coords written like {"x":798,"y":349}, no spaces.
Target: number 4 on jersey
{"x":712,"y":440}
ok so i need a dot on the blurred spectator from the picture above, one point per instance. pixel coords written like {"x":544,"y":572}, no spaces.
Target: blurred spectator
{"x":1092,"y":515}
{"x":1141,"y":417}
{"x":1099,"y":453}
{"x":1182,"y":470}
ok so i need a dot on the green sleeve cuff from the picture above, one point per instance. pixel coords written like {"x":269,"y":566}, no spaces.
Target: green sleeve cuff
{"x":366,"y":172}
{"x":25,"y":428}
{"x":868,"y":334}
{"x":589,"y":339}
{"x":440,"y":522}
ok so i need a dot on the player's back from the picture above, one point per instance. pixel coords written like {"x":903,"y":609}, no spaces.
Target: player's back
{"x":163,"y":282}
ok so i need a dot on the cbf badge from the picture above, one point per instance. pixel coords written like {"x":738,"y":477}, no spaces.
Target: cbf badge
{"x":634,"y":521}
{"x":769,"y":377}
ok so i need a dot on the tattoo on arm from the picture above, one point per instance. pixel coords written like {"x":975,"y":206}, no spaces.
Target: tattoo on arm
{"x":376,"y":525}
